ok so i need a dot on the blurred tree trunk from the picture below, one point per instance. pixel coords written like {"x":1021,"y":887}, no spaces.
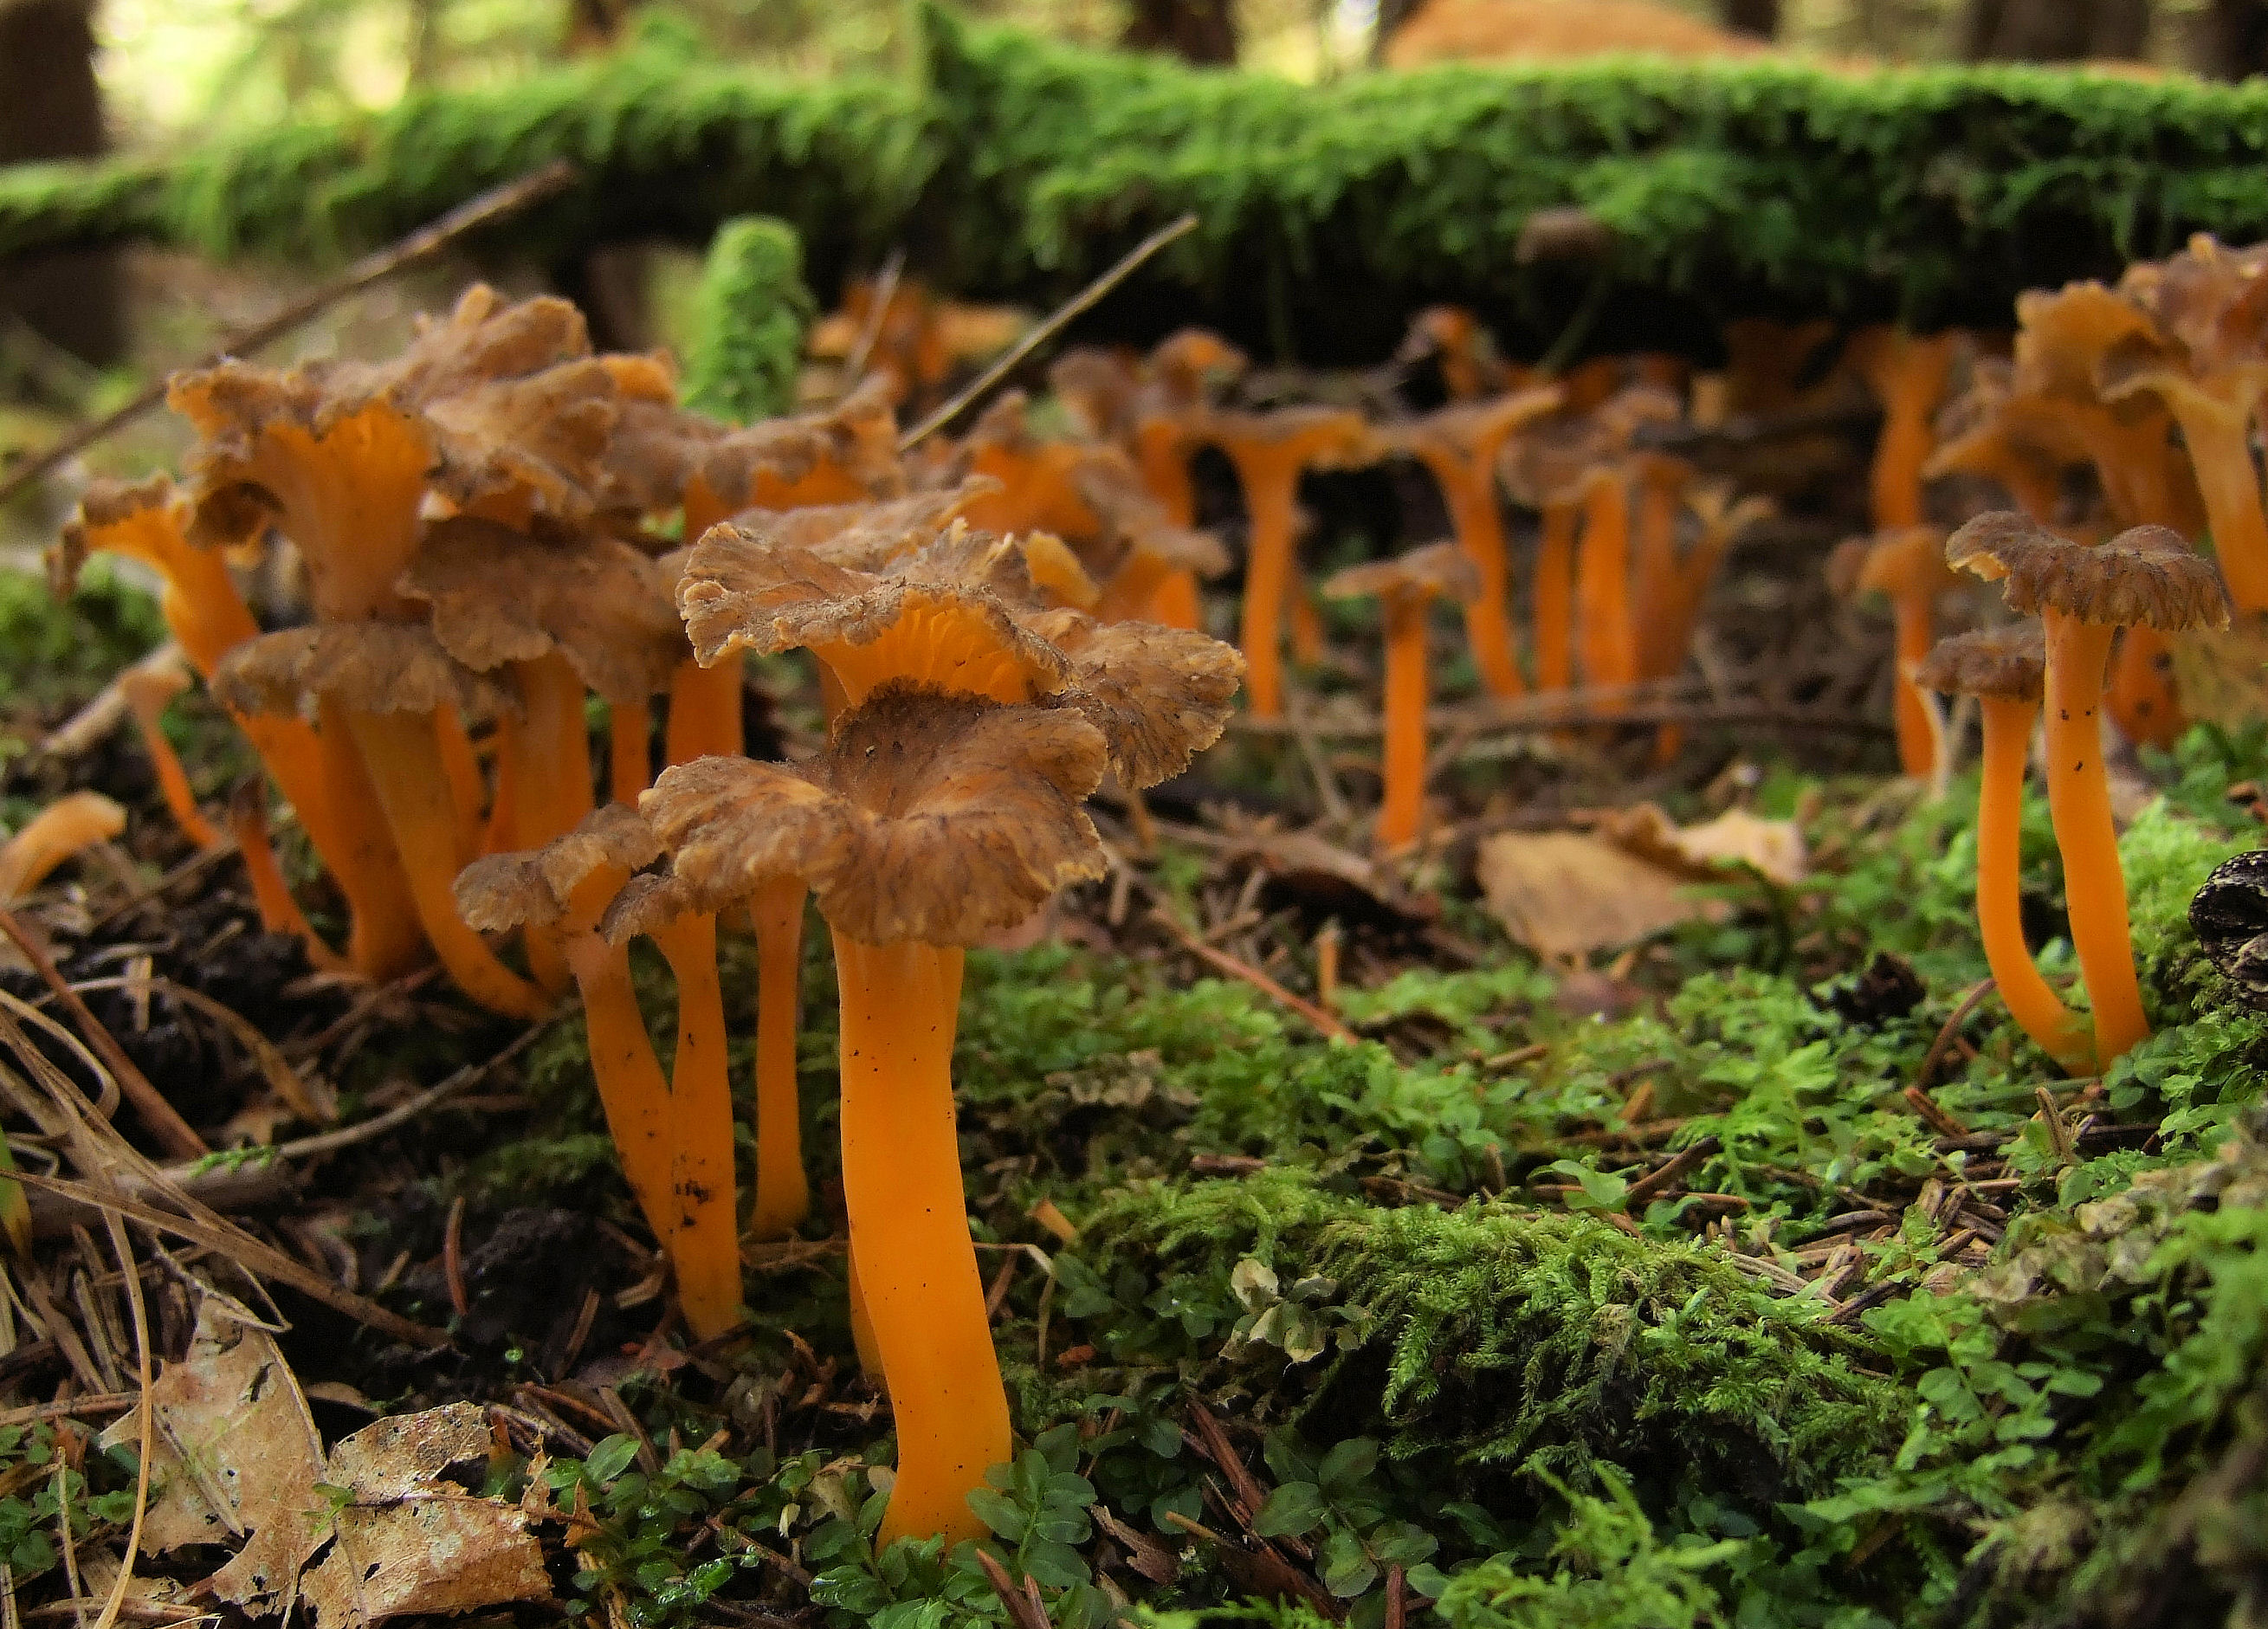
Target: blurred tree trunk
{"x":2055,"y":31}
{"x":2232,"y":39}
{"x":50,"y":107}
{"x":1760,"y":18}
{"x":1195,"y":31}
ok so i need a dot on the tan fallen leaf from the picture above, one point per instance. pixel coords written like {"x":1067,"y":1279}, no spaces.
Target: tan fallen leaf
{"x":1773,"y":848}
{"x":2222,"y":675}
{"x":235,"y":1457}
{"x":406,"y":1540}
{"x":1566,"y":894}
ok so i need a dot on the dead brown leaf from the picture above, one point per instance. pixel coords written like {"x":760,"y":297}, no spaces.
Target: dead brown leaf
{"x":2222,"y":675}
{"x":1566,"y":894}
{"x":1773,"y":849}
{"x":410,"y":1541}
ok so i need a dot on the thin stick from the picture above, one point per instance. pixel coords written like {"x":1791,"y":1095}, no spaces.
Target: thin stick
{"x":886,"y":290}
{"x":133,"y":1271}
{"x":425,"y":242}
{"x":1039,"y":335}
{"x":1252,"y":976}
{"x":1926,"y":1075}
{"x":163,"y":1119}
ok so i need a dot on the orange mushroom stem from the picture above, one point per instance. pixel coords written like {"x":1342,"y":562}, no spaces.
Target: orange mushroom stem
{"x":1555,"y":594}
{"x":1907,"y":567}
{"x":704,"y":1243}
{"x":783,"y":1189}
{"x":1908,"y":375}
{"x":1606,"y":638}
{"x":272,"y":895}
{"x":148,"y":692}
{"x":629,"y":763}
{"x":70,"y":825}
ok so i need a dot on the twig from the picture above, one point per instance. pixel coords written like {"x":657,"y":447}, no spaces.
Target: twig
{"x":1039,"y":334}
{"x":1940,"y":1118}
{"x":1924,"y":1077}
{"x":1327,"y":782}
{"x":1252,"y":976}
{"x":453,"y":1259}
{"x":91,"y":723}
{"x":70,"y":1408}
{"x":163,"y":1119}
{"x":143,"y":1373}
{"x":1654,"y":1181}
{"x":886,"y":290}
{"x":423,"y":244}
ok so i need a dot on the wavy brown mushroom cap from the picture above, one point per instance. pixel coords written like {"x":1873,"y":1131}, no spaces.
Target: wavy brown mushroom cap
{"x":500,"y":595}
{"x":864,"y":534}
{"x":932,"y":816}
{"x":1159,"y":695}
{"x":499,"y":892}
{"x":1322,"y":438}
{"x":1442,"y":568}
{"x":652,"y":456}
{"x":2146,"y":574}
{"x":1904,"y":559}
{"x":108,"y":514}
{"x":1188,"y":361}
{"x":857,"y":436}
{"x":2008,"y":663}
{"x":1991,"y":424}
{"x":959,"y":596}
{"x":2062,"y":334}
{"x":1465,"y":426}
{"x":1551,"y":462}
{"x":495,"y":401}
{"x":1135,"y":523}
{"x":2210,"y":299}
{"x":369,"y":666}
{"x":1097,"y":388}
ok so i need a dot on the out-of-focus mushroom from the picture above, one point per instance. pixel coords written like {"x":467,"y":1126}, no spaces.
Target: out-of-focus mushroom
{"x":2084,"y":595}
{"x":1987,"y":432}
{"x":932,"y":820}
{"x":1546,"y":469}
{"x":71,"y":824}
{"x":1606,"y":626}
{"x":2006,"y":669}
{"x":1459,"y":444}
{"x":272,"y":895}
{"x":1404,"y":587}
{"x":377,"y":686}
{"x":149,"y":692}
{"x":1269,"y":450}
{"x":1907,"y":567}
{"x":1908,"y":374}
{"x":1768,"y":364}
{"x":1098,"y":389}
{"x":2204,"y":352}
{"x":1452,"y":339}
{"x":1158,"y":559}
{"x":674,"y":1136}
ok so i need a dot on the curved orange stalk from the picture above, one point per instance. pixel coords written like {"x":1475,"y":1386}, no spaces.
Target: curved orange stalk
{"x":384,"y":940}
{"x":1912,"y":627}
{"x":70,"y":824}
{"x":630,"y":756}
{"x":2060,"y":1033}
{"x":908,"y":1222}
{"x":272,"y":895}
{"x":632,"y":1090}
{"x":1469,"y":490}
{"x":467,"y":787}
{"x":2221,"y":453}
{"x":1161,"y":452}
{"x":1176,"y":603}
{"x":1555,"y":595}
{"x":862,"y":1327}
{"x":1271,"y":478}
{"x":1608,"y":642}
{"x":783,"y":1191}
{"x":1401,"y":812}
{"x":705,"y":710}
{"x":1908,"y":376}
{"x":146,"y":696}
{"x":704,"y":1243}
{"x":404,"y":755}
{"x":2079,"y":801}
{"x":550,"y":769}
{"x":1306,"y":621}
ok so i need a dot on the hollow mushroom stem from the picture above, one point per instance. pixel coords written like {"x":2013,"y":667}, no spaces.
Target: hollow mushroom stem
{"x":2059,"y":1032}
{"x":1401,"y":811}
{"x":1912,"y":619}
{"x":632,"y":1093}
{"x":2079,"y":802}
{"x":386,"y":940}
{"x":705,"y":710}
{"x":1555,"y":595}
{"x":549,"y":763}
{"x":1469,"y":490}
{"x":704,"y":1242}
{"x":70,"y":825}
{"x":917,"y":1272}
{"x":404,"y":755}
{"x":146,"y":696}
{"x":468,"y":788}
{"x":783,"y":1189}
{"x":2221,"y":453}
{"x":1608,"y":643}
{"x":629,"y":762}
{"x":1270,"y":476}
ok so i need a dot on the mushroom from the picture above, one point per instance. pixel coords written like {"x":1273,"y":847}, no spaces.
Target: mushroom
{"x":2203,"y":351}
{"x":1907,"y":566}
{"x":1908,"y":374}
{"x":1404,"y":587}
{"x":1269,"y":450}
{"x":1159,"y":559}
{"x":72,"y":824}
{"x":2004,"y":668}
{"x":149,"y":692}
{"x":1546,"y":469}
{"x":377,"y":687}
{"x":932,"y":820}
{"x":1460,"y":348}
{"x":1459,"y":444}
{"x":674,"y":1136}
{"x":2085,"y":594}
{"x":1606,"y":631}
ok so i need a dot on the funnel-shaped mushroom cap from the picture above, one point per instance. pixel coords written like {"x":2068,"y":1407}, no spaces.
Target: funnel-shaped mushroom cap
{"x":2008,"y":663}
{"x":652,"y":455}
{"x":1159,"y":695}
{"x":1189,"y":360}
{"x":1320,"y":437}
{"x":369,"y":666}
{"x":1137,"y":524}
{"x":863,"y":536}
{"x":1724,"y":509}
{"x":1551,"y":462}
{"x":1435,"y":569}
{"x":142,"y":520}
{"x":933,"y":817}
{"x":847,"y":452}
{"x":1990,"y":430}
{"x":947,"y":612}
{"x":2062,"y":334}
{"x":2211,"y":300}
{"x":2146,"y":574}
{"x":1475,"y":429}
{"x":1904,"y":560}
{"x":495,"y":405}
{"x":1619,"y":420}
{"x":503,"y":595}
{"x":500,"y":892}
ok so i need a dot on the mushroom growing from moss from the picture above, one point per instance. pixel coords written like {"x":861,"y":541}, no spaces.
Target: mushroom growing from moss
{"x":1907,"y":567}
{"x":2006,"y":669}
{"x":2084,"y":595}
{"x":932,"y":820}
{"x":1405,"y":587}
{"x":1908,"y":373}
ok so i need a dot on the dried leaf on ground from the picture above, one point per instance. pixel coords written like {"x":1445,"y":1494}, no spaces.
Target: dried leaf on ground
{"x":1773,"y":849}
{"x":235,"y":1457}
{"x":1566,"y":894}
{"x":408,"y":1540}
{"x":2223,"y":674}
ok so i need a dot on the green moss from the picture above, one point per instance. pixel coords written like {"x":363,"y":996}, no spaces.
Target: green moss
{"x":749,"y":320}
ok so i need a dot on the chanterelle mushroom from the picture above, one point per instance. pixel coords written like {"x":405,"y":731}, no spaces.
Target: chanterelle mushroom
{"x":932,"y":820}
{"x":2085,"y":594}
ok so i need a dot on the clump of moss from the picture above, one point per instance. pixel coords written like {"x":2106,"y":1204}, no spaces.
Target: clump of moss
{"x":749,"y":314}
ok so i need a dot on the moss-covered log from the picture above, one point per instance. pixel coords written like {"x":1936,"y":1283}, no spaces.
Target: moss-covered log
{"x":1328,"y":213}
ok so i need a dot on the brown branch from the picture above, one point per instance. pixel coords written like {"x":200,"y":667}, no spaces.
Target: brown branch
{"x":425,"y":242}
{"x":1227,"y":963}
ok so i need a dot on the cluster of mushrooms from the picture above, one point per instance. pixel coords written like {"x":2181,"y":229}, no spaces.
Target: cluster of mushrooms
{"x":484,"y":527}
